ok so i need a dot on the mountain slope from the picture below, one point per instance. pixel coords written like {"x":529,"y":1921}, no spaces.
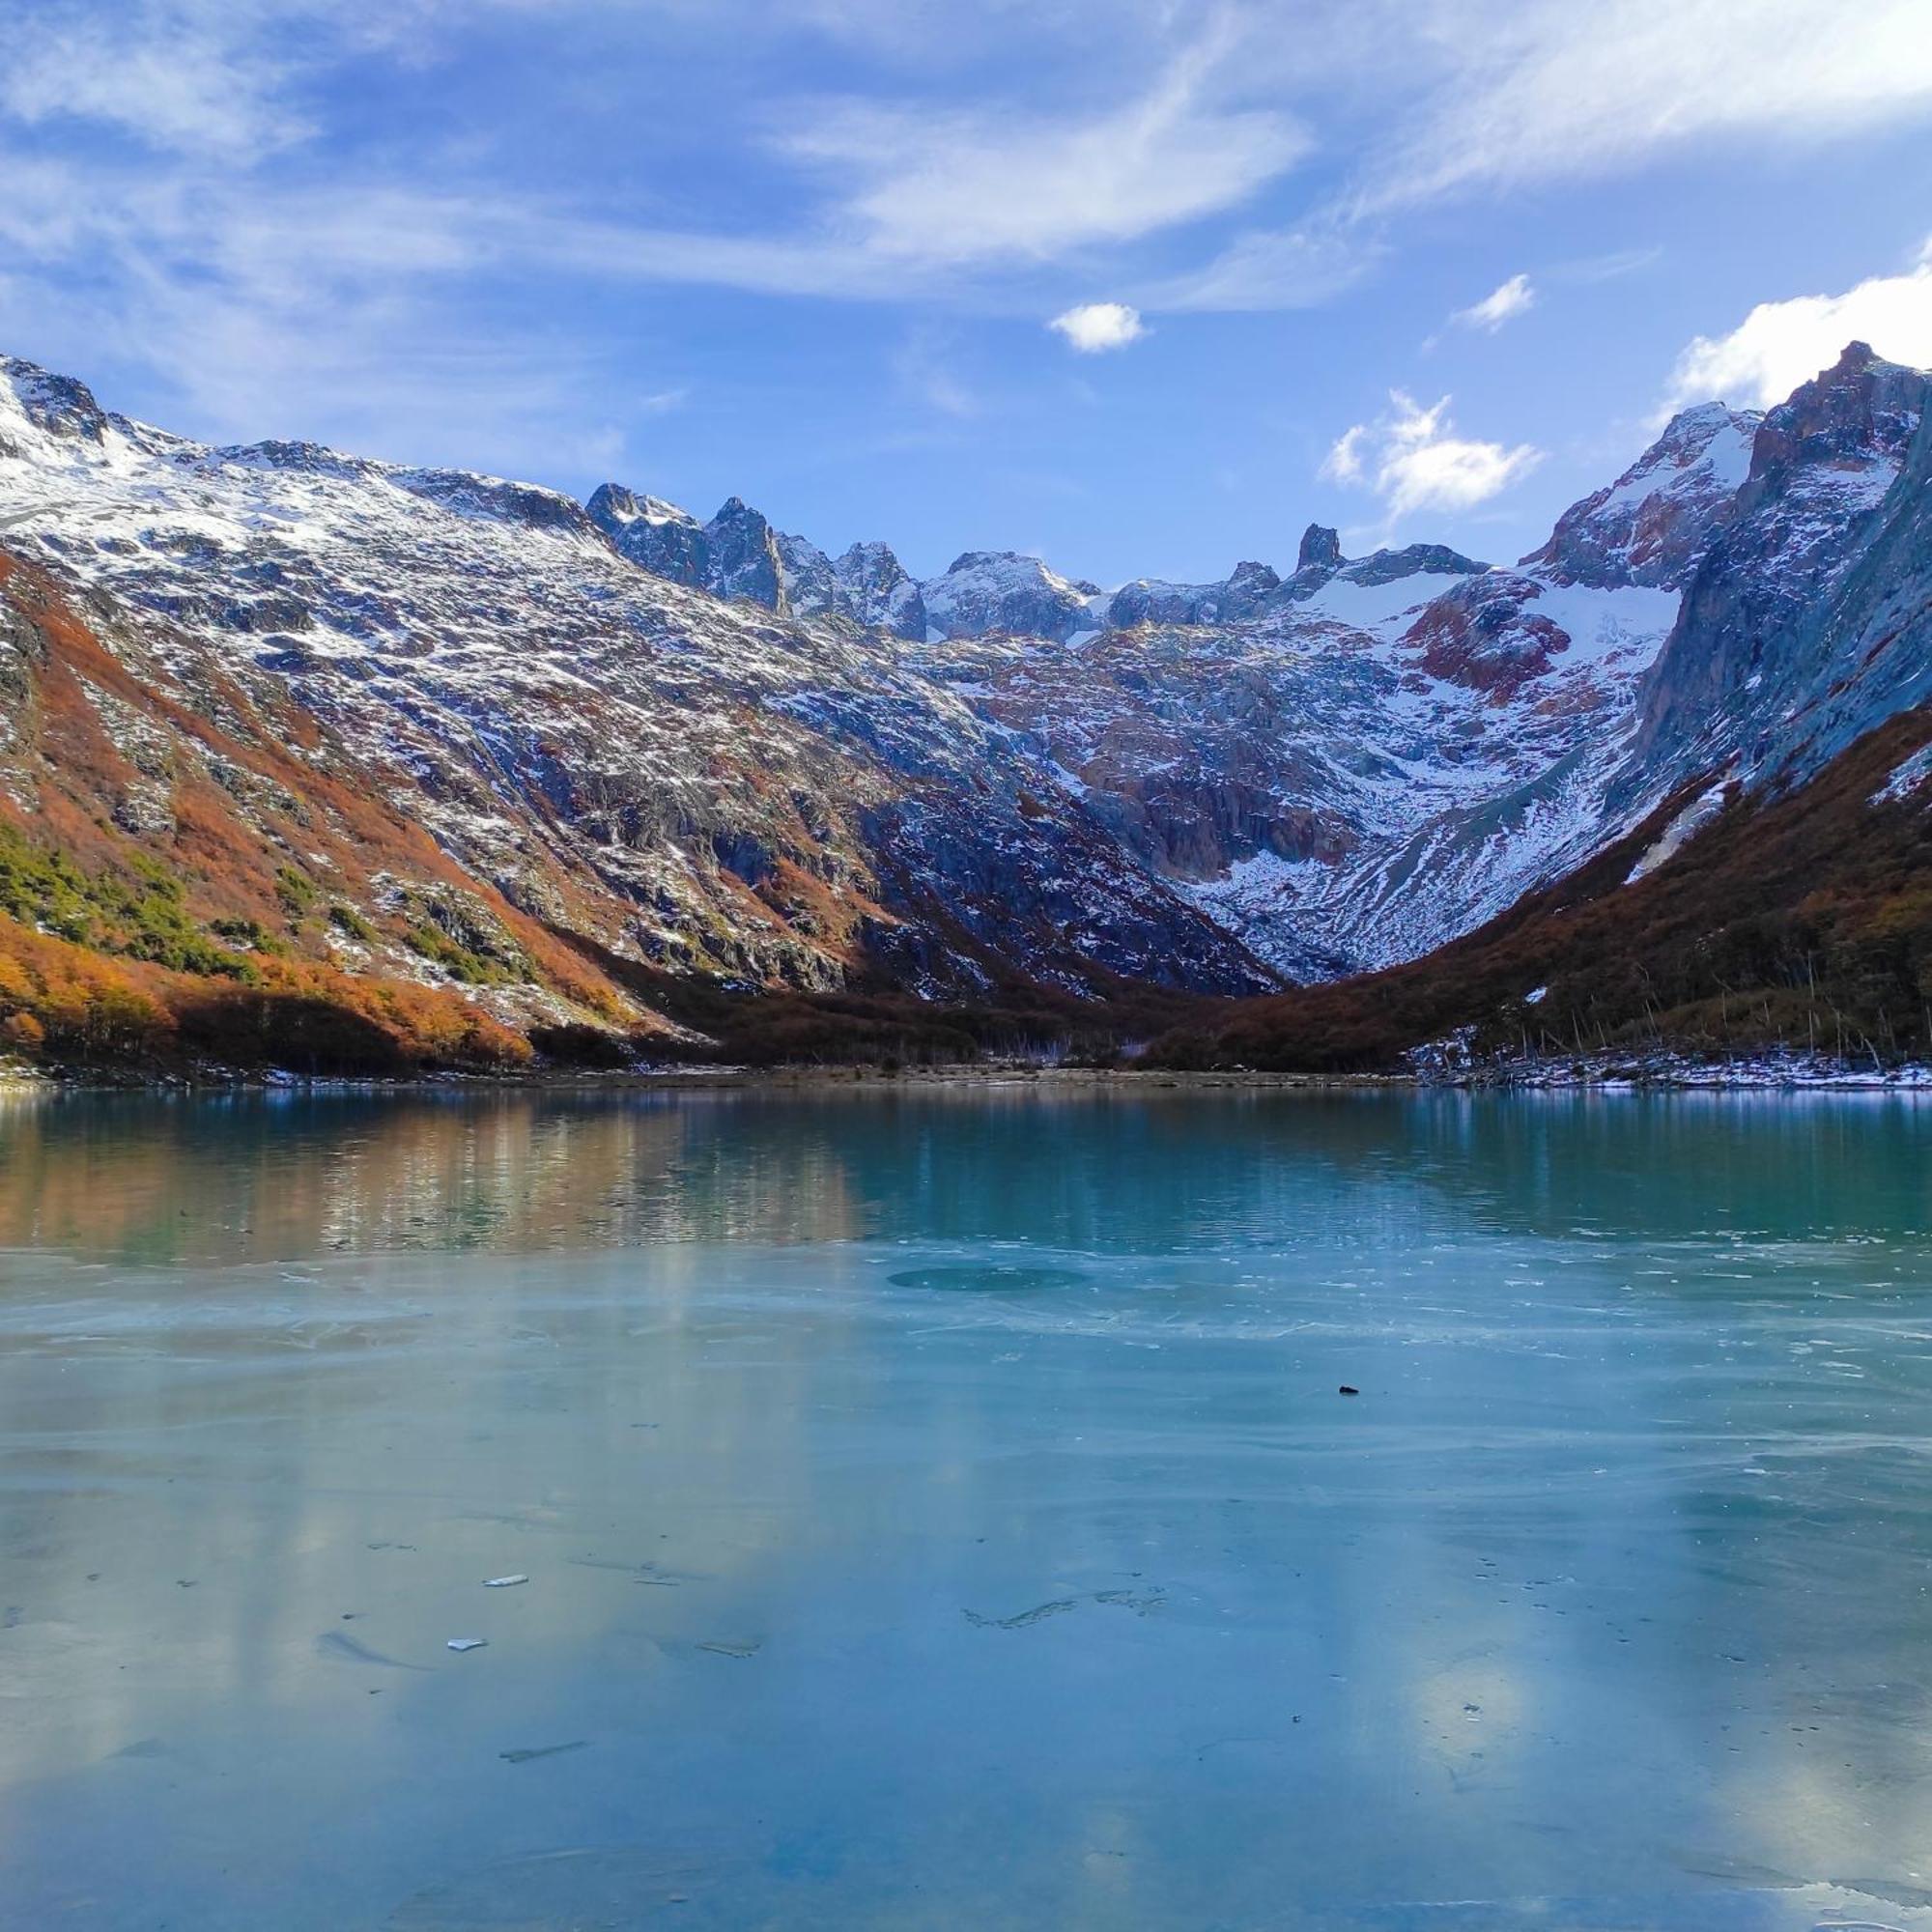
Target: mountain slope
{"x":653,"y":752}
{"x":221,"y":849}
{"x":1800,"y":920}
{"x":687,"y":780}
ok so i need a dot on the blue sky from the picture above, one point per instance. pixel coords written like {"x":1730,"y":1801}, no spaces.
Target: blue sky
{"x":1422,"y":269}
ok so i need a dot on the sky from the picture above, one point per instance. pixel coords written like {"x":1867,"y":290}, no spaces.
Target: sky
{"x":1140,"y":286}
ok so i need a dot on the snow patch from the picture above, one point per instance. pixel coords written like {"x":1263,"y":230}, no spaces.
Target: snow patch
{"x":1686,"y":826}
{"x":1906,"y":778}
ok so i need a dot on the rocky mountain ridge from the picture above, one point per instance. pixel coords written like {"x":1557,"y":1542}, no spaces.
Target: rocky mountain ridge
{"x":711,"y":748}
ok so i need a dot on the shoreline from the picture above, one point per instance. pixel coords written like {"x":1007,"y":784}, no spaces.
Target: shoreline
{"x":1766,"y":1074}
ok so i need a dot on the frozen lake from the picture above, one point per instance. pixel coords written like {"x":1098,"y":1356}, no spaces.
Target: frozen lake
{"x":938,"y":1511}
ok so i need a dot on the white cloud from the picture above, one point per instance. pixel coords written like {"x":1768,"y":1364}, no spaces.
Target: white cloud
{"x":171,"y":74}
{"x":1095,"y":327}
{"x":1344,"y":462}
{"x":199,"y":77}
{"x":925,"y":185}
{"x":1544,"y":89}
{"x":1498,"y":306}
{"x":1781,"y":344}
{"x":1414,"y":460}
{"x":191,"y":184}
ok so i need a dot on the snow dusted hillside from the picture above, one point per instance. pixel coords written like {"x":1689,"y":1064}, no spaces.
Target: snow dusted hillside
{"x":710,"y":746}
{"x":700,"y":783}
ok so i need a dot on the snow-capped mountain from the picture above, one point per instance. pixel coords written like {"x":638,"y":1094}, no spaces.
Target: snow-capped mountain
{"x":711,"y":746}
{"x":1806,"y":621}
{"x":690,"y":781}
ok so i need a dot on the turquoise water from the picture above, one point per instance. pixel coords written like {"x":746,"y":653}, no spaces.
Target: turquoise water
{"x":938,"y":1510}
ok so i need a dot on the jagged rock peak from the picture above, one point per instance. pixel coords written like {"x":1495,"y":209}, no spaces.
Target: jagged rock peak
{"x":745,"y":558}
{"x":812,"y":586}
{"x":1655,"y":522}
{"x":613,"y":505}
{"x":1388,"y":566}
{"x":1861,"y":409}
{"x":1149,"y":600}
{"x":985,"y":590}
{"x":655,"y":535}
{"x":881,"y":591}
{"x":58,"y":406}
{"x":1321,"y":549}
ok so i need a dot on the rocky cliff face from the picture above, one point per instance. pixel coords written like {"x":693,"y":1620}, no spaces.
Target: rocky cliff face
{"x":710,"y":746}
{"x":1805,"y":620}
{"x":879,"y":592}
{"x":655,"y":535}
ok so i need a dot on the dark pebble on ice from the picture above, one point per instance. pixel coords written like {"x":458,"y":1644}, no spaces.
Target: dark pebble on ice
{"x":1344,"y":1389}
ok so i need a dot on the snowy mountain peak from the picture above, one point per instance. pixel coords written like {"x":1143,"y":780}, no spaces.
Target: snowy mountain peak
{"x":1419,"y":559}
{"x":307,"y":459}
{"x":1654,"y":524}
{"x":56,"y":406}
{"x":984,"y":591}
{"x":1810,"y":621}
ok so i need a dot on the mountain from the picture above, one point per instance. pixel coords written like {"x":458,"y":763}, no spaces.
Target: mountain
{"x":1806,"y":621}
{"x":1759,"y":866}
{"x":1792,"y":925}
{"x":688,"y":752}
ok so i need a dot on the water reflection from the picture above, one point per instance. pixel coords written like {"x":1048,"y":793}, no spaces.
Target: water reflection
{"x":938,"y":1510}
{"x":160,"y":1180}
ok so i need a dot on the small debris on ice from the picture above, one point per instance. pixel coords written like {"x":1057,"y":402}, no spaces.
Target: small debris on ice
{"x":1346,"y":1389}
{"x":503,"y":1582}
{"x":541,"y":1750}
{"x":339,"y":1643}
{"x":723,"y":1649}
{"x":1037,"y":1614}
{"x":468,"y":1643}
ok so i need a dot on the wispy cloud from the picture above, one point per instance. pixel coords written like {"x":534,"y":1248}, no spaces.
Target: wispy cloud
{"x":920,"y":186}
{"x":1269,"y":269}
{"x":194,"y":186}
{"x":1544,"y":89}
{"x":175,"y":76}
{"x":1092,"y":327}
{"x":1414,"y":460}
{"x":1781,"y":344}
{"x":926,"y":367}
{"x":216,"y":78}
{"x":1500,"y":306}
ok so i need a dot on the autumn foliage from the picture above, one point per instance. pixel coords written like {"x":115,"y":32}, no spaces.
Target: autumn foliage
{"x":1800,"y":920}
